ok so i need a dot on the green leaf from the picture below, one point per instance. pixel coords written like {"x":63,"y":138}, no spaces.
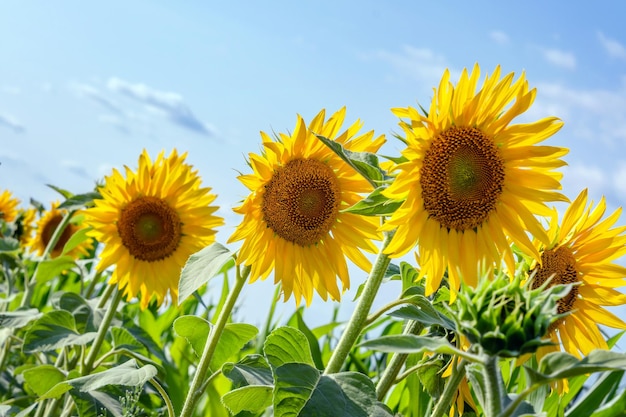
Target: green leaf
{"x":423,"y":311}
{"x":286,"y":345}
{"x":66,"y":194}
{"x":54,"y":330}
{"x":76,"y":239}
{"x":613,"y":408}
{"x":558,"y":365}
{"x":604,"y":388}
{"x":123,"y":339}
{"x":410,"y":344}
{"x":252,"y":398}
{"x":80,"y":309}
{"x":302,"y":390}
{"x":316,"y":354}
{"x":18,"y":319}
{"x":375,"y":204}
{"x":232,"y":340}
{"x":200,"y":268}
{"x":365,"y":163}
{"x":52,"y":268}
{"x":195,"y":330}
{"x":429,"y":374}
{"x":250,"y":370}
{"x":9,"y":244}
{"x":126,"y":374}
{"x":42,"y":378}
{"x":78,"y":201}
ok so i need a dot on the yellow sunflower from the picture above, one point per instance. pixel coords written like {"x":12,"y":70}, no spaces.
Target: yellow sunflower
{"x":8,"y":206}
{"x":472,"y":182}
{"x":45,"y":228}
{"x":581,"y":251}
{"x":293,"y":221}
{"x":27,"y":220}
{"x":150,"y":223}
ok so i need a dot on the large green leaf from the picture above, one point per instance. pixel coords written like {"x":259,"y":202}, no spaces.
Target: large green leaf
{"x":252,"y":398}
{"x":559,"y":365}
{"x":286,"y":345}
{"x":232,"y":340}
{"x":52,"y":268}
{"x":126,"y":374}
{"x":298,"y":322}
{"x":78,"y":201}
{"x":250,"y":370}
{"x":410,"y":344}
{"x":18,"y":319}
{"x":375,"y":204}
{"x":54,"y":330}
{"x":43,"y":377}
{"x":76,"y":239}
{"x":613,"y":408}
{"x":80,"y":309}
{"x":200,"y":268}
{"x":302,"y":390}
{"x":604,"y":388}
{"x":9,"y":245}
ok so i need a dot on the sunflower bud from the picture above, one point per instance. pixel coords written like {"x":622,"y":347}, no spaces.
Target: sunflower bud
{"x":506,"y":318}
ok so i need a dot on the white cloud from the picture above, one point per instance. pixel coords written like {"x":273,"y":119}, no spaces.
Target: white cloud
{"x":93,"y":94}
{"x":12,"y":123}
{"x":419,"y":63}
{"x":171,"y":105}
{"x":499,"y":37}
{"x":612,"y":47}
{"x":578,"y":176}
{"x":559,"y":58}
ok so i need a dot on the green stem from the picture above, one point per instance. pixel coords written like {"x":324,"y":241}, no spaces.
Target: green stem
{"x":30,"y":284}
{"x":449,"y":392}
{"x":396,"y":363}
{"x":359,"y":315}
{"x":102,"y":331}
{"x":166,"y":398}
{"x":209,"y":348}
{"x":493,"y":386}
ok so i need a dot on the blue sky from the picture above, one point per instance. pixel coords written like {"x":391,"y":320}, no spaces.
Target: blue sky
{"x":85,"y":86}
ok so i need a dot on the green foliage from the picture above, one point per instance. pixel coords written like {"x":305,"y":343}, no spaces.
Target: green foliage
{"x":201,"y":267}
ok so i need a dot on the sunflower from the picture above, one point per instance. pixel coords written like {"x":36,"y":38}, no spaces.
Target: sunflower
{"x":45,"y":228}
{"x":581,"y":252}
{"x":8,"y":206}
{"x":26,"y":219}
{"x":150,"y":223}
{"x":293,"y":221}
{"x":471,"y":181}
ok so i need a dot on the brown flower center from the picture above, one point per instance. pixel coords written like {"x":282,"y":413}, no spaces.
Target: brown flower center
{"x":560,"y":264}
{"x":149,"y":228}
{"x":461,"y":177}
{"x":48,"y":230}
{"x":301,"y":201}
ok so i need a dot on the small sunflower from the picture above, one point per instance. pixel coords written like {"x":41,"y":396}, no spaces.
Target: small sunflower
{"x":293,"y":221}
{"x":45,"y":228}
{"x":8,"y":206}
{"x":582,"y":251}
{"x":472,"y":182}
{"x":150,"y":223}
{"x":26,"y":218}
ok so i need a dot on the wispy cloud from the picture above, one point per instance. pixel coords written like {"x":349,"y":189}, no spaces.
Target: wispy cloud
{"x":559,"y":58}
{"x":75,"y":168}
{"x":12,"y":123}
{"x":499,"y":37}
{"x":169,"y":104}
{"x":612,"y":47}
{"x":422,"y":64}
{"x":97,"y":97}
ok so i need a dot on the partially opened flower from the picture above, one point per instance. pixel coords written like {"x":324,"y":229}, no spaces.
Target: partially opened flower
{"x":150,"y":222}
{"x":293,"y":221}
{"x":472,"y":181}
{"x":8,"y":206}
{"x":45,"y":229}
{"x":582,"y":251}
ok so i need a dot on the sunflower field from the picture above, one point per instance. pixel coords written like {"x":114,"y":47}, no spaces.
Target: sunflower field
{"x":506,"y":305}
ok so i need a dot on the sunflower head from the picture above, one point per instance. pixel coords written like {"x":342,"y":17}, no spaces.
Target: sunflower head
{"x":293,"y":222}
{"x":472,"y":182}
{"x":582,"y":250}
{"x":8,"y":206}
{"x":47,"y":226}
{"x":150,"y":221}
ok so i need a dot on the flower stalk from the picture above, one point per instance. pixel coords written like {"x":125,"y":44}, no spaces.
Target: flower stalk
{"x":195,"y":389}
{"x":359,"y":316}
